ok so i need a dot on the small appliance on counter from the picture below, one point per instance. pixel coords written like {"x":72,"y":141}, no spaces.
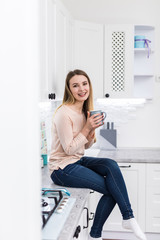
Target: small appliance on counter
{"x":56,"y":206}
{"x":108,"y":137}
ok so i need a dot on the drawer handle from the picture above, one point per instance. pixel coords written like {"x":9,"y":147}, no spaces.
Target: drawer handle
{"x":125,"y":166}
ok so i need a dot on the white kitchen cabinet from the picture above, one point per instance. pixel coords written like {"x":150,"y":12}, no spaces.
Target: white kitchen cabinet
{"x":134,"y":175}
{"x":93,"y":201}
{"x":56,"y":48}
{"x":83,"y":224}
{"x":129,"y":72}
{"x":47,"y":10}
{"x":64,"y":34}
{"x":153,"y":198}
{"x":89,"y":53}
{"x":118,"y":65}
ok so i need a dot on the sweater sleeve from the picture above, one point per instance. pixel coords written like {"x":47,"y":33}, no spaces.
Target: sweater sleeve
{"x":64,"y":129}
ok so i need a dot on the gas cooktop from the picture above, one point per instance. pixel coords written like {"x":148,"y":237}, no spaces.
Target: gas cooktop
{"x":56,"y":206}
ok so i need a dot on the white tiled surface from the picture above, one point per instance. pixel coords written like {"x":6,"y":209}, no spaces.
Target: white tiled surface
{"x":118,"y":111}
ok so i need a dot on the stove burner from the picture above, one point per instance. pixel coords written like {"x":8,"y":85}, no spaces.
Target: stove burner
{"x":44,"y":204}
{"x":50,"y":201}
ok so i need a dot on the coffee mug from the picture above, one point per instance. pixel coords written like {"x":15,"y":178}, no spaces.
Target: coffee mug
{"x":98,"y":111}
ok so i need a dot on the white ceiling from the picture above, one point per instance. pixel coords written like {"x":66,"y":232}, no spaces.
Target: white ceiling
{"x":113,"y":11}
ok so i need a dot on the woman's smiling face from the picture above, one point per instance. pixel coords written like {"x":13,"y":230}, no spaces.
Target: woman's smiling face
{"x":79,"y":87}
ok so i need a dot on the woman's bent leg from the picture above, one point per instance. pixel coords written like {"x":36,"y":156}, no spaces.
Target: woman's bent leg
{"x":116,"y":186}
{"x":75,"y":175}
{"x":114,"y":181}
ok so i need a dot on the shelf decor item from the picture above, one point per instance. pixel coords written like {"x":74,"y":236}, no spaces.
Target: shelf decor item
{"x":142,"y":42}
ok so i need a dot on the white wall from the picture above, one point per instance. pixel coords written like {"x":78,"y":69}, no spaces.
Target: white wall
{"x":114,"y":11}
{"x":19,"y":128}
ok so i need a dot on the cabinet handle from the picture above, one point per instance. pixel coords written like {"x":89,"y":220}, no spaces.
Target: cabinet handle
{"x":51,"y":95}
{"x":92,"y":191}
{"x":92,"y":216}
{"x":107,"y":95}
{"x":87,"y":218}
{"x":78,"y":230}
{"x":125,"y":166}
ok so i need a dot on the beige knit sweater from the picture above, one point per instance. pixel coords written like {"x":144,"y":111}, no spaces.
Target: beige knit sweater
{"x":68,"y":143}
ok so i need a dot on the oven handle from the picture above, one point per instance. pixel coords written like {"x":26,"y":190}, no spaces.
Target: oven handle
{"x":88,"y":218}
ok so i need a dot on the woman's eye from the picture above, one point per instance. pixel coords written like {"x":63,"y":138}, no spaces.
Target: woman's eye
{"x":85,"y":83}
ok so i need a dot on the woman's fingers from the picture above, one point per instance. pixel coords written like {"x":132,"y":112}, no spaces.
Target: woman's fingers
{"x":98,"y":118}
{"x":97,"y":121}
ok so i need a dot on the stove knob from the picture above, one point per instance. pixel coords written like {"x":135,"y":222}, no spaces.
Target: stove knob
{"x":59,"y":210}
{"x":65,"y":199}
{"x":62,"y":205}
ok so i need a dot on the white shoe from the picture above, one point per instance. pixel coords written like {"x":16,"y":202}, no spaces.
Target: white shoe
{"x":133,"y":226}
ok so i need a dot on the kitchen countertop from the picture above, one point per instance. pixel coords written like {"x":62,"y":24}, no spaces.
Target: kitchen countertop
{"x":81,"y":196}
{"x":133,"y":155}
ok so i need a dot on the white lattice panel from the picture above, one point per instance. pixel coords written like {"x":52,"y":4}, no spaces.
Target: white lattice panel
{"x":118,"y":61}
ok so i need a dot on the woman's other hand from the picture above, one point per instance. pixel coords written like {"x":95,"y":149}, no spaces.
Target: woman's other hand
{"x":91,"y":135}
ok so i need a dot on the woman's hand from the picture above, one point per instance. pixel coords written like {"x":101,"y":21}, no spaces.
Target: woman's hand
{"x":92,"y":123}
{"x":91,"y":135}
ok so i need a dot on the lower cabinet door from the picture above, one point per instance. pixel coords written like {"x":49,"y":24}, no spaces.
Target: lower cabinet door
{"x":134,"y":176}
{"x":82,"y":230}
{"x":153,"y":198}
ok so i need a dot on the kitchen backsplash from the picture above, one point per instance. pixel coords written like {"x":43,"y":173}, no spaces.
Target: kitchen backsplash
{"x":119,"y":112}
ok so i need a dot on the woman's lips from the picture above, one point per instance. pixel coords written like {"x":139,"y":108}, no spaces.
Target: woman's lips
{"x":82,"y":94}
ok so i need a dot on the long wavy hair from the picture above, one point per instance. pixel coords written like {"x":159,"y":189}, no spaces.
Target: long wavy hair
{"x":68,"y":97}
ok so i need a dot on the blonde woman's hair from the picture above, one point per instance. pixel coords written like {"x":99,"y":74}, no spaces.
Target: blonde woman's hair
{"x":68,"y":97}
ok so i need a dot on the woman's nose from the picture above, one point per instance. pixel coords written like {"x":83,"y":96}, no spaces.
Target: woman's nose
{"x":81,"y":87}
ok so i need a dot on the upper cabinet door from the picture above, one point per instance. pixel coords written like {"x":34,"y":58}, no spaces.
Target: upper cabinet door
{"x":89,"y":53}
{"x":56,"y":48}
{"x":119,"y":60}
{"x":64,"y":39}
{"x":47,"y":52}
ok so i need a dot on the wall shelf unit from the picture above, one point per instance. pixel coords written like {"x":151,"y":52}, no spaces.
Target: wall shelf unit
{"x":144,"y":63}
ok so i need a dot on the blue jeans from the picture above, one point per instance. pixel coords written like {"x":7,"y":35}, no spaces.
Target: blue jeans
{"x":102,"y":175}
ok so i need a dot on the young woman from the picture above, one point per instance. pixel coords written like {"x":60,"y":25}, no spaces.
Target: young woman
{"x":73,"y":131}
